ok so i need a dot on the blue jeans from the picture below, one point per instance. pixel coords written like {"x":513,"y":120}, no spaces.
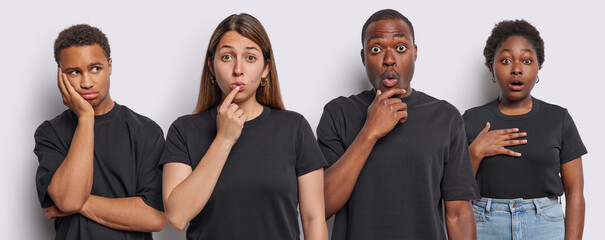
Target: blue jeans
{"x":517,"y":219}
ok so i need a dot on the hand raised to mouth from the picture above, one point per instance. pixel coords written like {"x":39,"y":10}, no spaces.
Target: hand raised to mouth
{"x":385,"y":112}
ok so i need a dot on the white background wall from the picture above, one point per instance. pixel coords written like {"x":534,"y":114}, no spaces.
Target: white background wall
{"x":158,"y":49}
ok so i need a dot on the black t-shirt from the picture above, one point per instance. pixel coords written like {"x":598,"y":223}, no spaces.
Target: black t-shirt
{"x":257,"y":191}
{"x":127,"y":148}
{"x":552,"y":140}
{"x":399,"y":192}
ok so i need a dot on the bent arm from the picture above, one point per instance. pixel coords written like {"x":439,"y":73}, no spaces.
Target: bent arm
{"x":341,"y":177}
{"x":573,"y":182}
{"x":186,"y":192}
{"x":460,"y":220}
{"x":72,"y":182}
{"x":127,"y":214}
{"x":312,"y":210}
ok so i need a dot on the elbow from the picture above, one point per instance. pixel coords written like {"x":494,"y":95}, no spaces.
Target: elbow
{"x":178,"y":225}
{"x":70,"y":205}
{"x":176,"y":222}
{"x":158,"y":223}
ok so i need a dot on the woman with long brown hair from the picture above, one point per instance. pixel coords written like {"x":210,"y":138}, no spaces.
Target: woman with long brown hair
{"x":240,"y":165}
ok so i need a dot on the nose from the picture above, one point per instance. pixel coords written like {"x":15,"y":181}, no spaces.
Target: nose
{"x":389,"y":59}
{"x":237,"y":68}
{"x":86,"y":82}
{"x":516,"y":69}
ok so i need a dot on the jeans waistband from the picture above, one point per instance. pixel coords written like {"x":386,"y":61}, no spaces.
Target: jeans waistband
{"x":516,"y":205}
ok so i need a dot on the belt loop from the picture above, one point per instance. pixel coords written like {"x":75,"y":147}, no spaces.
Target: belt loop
{"x":538,"y":209}
{"x":488,"y":206}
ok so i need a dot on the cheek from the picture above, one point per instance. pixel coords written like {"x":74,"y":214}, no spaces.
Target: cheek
{"x":74,"y":81}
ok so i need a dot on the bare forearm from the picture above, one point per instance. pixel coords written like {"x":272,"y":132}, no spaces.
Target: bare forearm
{"x":340,"y":178}
{"x":127,"y":214}
{"x":190,"y":196}
{"x":311,"y":205}
{"x":574,"y":212}
{"x":315,"y":229}
{"x":476,"y":158}
{"x":72,"y":183}
{"x":460,"y":220}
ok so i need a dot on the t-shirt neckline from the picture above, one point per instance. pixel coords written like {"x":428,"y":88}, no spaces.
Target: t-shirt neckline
{"x":409,"y":100}
{"x":531,"y":113}
{"x":264,"y":114}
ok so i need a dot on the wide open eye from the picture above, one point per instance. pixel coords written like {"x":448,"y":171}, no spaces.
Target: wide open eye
{"x":506,"y":61}
{"x":251,"y":58}
{"x":527,"y":61}
{"x":226,"y":57}
{"x":375,"y":49}
{"x":401,"y":48}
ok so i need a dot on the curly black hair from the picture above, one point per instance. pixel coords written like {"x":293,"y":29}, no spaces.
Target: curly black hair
{"x":81,"y":35}
{"x":386,"y":14}
{"x":505,"y":29}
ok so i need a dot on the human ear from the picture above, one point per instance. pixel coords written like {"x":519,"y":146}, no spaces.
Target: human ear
{"x":363,"y":58}
{"x":109,"y":67}
{"x":267,"y":68}
{"x":210,"y":66}
{"x":415,"y":52}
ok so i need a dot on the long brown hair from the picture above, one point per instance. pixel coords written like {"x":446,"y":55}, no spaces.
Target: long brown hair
{"x":251,"y":28}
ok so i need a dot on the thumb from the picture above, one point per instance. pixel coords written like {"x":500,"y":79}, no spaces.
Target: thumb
{"x":486,"y":128}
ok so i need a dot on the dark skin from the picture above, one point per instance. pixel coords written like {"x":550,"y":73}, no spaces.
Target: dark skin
{"x":389,"y":55}
{"x":515,"y":68}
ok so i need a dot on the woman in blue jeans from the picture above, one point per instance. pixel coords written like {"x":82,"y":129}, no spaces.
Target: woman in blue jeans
{"x":526,"y":153}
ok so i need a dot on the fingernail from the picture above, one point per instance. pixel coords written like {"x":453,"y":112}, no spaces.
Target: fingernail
{"x":237,"y":88}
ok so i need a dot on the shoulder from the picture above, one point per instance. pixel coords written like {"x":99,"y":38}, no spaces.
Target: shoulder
{"x":138,"y":121}
{"x":203,"y":118}
{"x":63,"y":122}
{"x":443,"y":106}
{"x":342,"y":103}
{"x":478,"y":109}
{"x":286,"y":116}
{"x":549,"y":107}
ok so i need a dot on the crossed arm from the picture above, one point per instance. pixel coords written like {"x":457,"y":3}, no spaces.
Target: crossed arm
{"x":71,"y":184}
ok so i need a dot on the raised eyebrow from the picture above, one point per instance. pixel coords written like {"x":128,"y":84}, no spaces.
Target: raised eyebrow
{"x":226,"y":46}
{"x":69,"y":69}
{"x":399,"y":35}
{"x":375,"y":37}
{"x":96,"y":64}
{"x":252,"y":48}
{"x":522,"y":50}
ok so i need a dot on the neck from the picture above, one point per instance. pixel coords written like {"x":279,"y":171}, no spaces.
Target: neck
{"x":509,"y":107}
{"x":251,"y":107}
{"x":105,"y":106}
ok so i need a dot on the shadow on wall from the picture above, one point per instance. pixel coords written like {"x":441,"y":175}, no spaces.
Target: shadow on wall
{"x":47,"y":106}
{"x":488,"y":90}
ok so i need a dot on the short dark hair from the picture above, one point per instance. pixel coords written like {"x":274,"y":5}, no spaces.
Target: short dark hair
{"x":81,"y":35}
{"x":386,"y":14}
{"x":507,"y":28}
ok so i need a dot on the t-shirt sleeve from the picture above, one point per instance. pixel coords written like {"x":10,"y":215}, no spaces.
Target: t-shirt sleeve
{"x":458,"y":181}
{"x":330,"y":143}
{"x":50,"y":155}
{"x":572,"y":146}
{"x":467,"y":127}
{"x":176,"y":146}
{"x":149,"y":177}
{"x":308,"y":155}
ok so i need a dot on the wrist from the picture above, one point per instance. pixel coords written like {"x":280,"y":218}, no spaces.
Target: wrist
{"x":367,"y":136}
{"x":475,"y":153}
{"x":224,"y":142}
